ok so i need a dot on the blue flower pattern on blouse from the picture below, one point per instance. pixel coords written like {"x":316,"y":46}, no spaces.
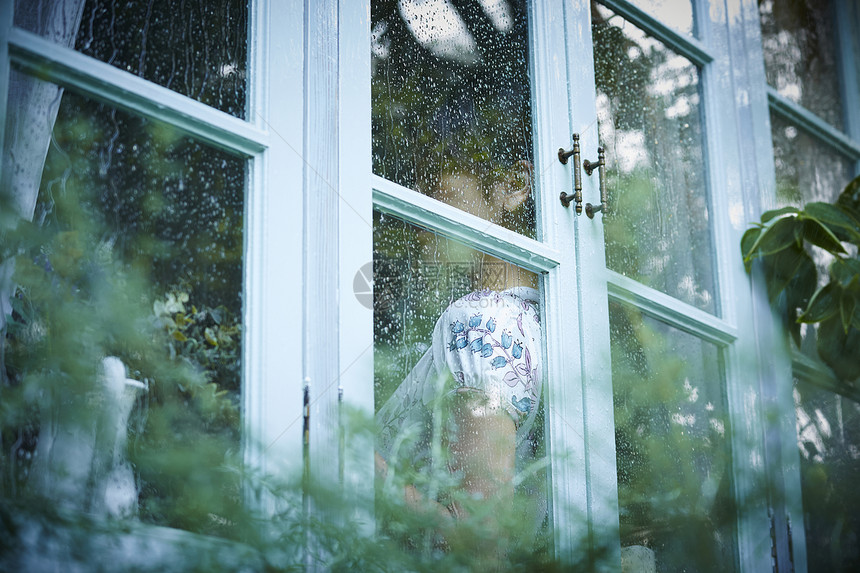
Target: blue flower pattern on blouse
{"x":486,"y":342}
{"x":502,"y":352}
{"x":517,"y":350}
{"x":523,"y":404}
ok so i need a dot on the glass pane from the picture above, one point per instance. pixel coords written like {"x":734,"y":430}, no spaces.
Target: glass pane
{"x":806,"y":169}
{"x":455,"y":328}
{"x":650,"y":124}
{"x":199,"y":49}
{"x":677,"y":14}
{"x":828,"y":430}
{"x":672,"y":444}
{"x":136,"y":253}
{"x":799,"y":43}
{"x":452,"y":106}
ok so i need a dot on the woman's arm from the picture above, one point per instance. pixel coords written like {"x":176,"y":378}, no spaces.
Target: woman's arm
{"x":413,"y":498}
{"x":483,"y":451}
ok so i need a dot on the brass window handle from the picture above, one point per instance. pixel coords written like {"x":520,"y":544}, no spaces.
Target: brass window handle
{"x":589,"y":167}
{"x":577,"y":178}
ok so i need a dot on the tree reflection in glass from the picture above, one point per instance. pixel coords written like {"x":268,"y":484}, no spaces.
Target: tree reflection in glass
{"x":672,"y":445}
{"x":451,"y":99}
{"x":137,"y":253}
{"x":649,"y":116}
{"x":828,"y":436}
{"x":799,"y":44}
{"x":197,"y":49}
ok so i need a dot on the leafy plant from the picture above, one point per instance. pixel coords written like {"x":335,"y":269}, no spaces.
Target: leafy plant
{"x":74,"y":304}
{"x":793,"y":245}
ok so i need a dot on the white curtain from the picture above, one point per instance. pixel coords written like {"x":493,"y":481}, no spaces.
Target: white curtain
{"x":30,"y":115}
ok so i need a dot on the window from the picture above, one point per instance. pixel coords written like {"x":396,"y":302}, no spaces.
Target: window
{"x":151,"y":131}
{"x":811,"y":64}
{"x":312,"y":185}
{"x":637,"y":286}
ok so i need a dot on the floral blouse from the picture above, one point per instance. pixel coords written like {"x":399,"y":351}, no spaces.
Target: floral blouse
{"x":486,"y":342}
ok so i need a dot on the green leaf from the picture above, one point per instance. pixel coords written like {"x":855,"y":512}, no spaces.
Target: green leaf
{"x":835,"y":219}
{"x":798,"y":293}
{"x":824,"y":305}
{"x":778,"y":236}
{"x":747,"y":241}
{"x":849,"y":199}
{"x":820,"y":235}
{"x":768,"y":215}
{"x":847,"y":305}
{"x":787,"y":266}
{"x":210,"y":337}
{"x":839,"y":349}
{"x":845,"y":271}
{"x":853,"y":187}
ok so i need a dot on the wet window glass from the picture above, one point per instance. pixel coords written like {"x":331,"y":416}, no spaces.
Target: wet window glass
{"x":799,"y":43}
{"x":672,"y":447}
{"x":649,"y":115}
{"x":806,"y":169}
{"x":458,"y":368}
{"x":135,"y":253}
{"x":196,"y":48}
{"x":452,"y":107}
{"x":677,"y":14}
{"x":828,"y":436}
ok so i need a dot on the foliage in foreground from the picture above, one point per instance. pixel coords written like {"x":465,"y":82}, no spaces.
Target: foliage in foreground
{"x":76,"y":301}
{"x":794,"y":245}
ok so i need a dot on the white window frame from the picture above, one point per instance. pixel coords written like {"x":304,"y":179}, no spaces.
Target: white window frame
{"x":731,"y":331}
{"x":777,"y":364}
{"x":310,"y":194}
{"x":271,"y":141}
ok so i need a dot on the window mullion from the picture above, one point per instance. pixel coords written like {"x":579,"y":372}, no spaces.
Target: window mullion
{"x":847,"y":23}
{"x":780,"y":456}
{"x":127,"y":91}
{"x":670,"y":310}
{"x":469,"y":229}
{"x":272,"y":405}
{"x":685,"y":45}
{"x":814,"y":125}
{"x":6,"y":16}
{"x":355,"y":250}
{"x":320,"y":355}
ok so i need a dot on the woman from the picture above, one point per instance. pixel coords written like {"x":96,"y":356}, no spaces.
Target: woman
{"x":460,"y":424}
